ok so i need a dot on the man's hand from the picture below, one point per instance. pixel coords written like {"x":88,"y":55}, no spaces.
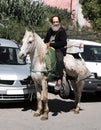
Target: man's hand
{"x":47,"y":44}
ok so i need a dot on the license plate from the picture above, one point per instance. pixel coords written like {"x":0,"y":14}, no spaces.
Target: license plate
{"x":14,"y":92}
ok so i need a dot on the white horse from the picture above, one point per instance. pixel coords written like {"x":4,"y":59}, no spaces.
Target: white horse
{"x":34,"y":45}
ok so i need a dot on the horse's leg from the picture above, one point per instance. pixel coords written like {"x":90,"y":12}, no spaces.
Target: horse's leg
{"x":78,"y":93}
{"x":39,"y":102}
{"x":45,"y":99}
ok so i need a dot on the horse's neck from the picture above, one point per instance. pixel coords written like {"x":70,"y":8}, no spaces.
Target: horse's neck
{"x":34,"y":59}
{"x":40,"y":51}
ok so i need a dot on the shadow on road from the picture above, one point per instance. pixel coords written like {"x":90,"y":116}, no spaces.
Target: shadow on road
{"x":55,"y":105}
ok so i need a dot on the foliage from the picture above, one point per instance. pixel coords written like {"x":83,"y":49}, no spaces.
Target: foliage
{"x":22,"y":11}
{"x":92,"y":12}
{"x":13,"y":31}
{"x":17,"y":15}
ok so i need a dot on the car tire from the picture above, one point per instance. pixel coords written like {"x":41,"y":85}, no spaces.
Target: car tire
{"x":65,"y":89}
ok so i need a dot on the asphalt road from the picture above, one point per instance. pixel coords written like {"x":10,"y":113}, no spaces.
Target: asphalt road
{"x":19,"y":116}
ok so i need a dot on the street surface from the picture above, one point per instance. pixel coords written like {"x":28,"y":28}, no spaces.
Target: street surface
{"x":19,"y":116}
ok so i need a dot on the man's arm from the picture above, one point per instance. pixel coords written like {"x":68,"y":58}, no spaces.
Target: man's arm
{"x":47,"y":38}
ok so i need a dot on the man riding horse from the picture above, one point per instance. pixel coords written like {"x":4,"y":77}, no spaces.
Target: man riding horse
{"x":56,"y":37}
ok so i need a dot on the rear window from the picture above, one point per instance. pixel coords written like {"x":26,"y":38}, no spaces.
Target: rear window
{"x":10,"y":56}
{"x":92,"y":53}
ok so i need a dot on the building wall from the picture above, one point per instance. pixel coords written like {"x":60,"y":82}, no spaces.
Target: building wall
{"x":62,"y":4}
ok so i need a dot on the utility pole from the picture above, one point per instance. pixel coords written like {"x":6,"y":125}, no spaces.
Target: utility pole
{"x":77,"y":16}
{"x":71,"y":6}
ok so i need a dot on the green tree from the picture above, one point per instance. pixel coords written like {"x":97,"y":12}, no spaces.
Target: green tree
{"x":92,"y":12}
{"x":22,"y":11}
{"x":17,"y":15}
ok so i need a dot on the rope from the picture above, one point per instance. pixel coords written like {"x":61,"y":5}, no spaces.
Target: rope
{"x":42,"y":71}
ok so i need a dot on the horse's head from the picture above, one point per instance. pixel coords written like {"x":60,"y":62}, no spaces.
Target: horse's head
{"x":27,"y":44}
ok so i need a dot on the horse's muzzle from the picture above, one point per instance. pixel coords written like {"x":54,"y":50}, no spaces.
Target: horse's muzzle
{"x":21,"y":55}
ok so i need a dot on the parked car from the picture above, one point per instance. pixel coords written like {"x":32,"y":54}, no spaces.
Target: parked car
{"x":15,"y":80}
{"x":91,"y":54}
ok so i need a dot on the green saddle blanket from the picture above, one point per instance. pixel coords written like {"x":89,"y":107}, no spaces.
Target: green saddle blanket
{"x":50,"y":60}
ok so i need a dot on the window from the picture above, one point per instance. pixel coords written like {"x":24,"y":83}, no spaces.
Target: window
{"x":10,"y":56}
{"x":92,"y":53}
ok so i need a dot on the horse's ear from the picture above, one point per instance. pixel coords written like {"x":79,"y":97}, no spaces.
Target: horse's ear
{"x":26,"y":30}
{"x":33,"y":31}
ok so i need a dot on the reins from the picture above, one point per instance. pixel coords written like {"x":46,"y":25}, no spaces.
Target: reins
{"x":43,"y":71}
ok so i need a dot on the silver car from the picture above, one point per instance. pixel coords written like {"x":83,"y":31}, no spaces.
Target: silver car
{"x":15,"y":80}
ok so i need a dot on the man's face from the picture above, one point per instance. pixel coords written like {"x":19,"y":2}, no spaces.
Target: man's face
{"x":55,"y":21}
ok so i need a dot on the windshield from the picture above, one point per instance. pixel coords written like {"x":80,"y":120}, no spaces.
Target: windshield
{"x":10,"y":56}
{"x":92,"y":53}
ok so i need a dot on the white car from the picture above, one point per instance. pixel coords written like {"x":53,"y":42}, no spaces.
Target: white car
{"x":91,"y":54}
{"x":15,"y":80}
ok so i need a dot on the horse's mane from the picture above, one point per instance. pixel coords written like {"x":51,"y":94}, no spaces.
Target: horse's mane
{"x":41,"y":47}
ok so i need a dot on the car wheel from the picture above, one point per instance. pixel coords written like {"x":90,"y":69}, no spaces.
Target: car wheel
{"x":65,"y":89}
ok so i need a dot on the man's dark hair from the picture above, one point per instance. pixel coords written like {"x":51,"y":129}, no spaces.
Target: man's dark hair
{"x":51,"y":19}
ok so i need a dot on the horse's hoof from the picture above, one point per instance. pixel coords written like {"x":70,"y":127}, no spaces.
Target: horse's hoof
{"x":72,"y":110}
{"x":44,"y":117}
{"x":76,"y":112}
{"x":36,"y":114}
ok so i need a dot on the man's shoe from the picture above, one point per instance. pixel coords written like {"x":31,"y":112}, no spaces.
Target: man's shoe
{"x":57,"y":87}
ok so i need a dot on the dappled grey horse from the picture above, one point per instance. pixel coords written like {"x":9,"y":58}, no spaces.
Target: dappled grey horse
{"x":35,"y":47}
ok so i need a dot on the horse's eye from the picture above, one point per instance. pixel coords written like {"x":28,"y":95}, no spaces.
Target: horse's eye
{"x":30,"y":42}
